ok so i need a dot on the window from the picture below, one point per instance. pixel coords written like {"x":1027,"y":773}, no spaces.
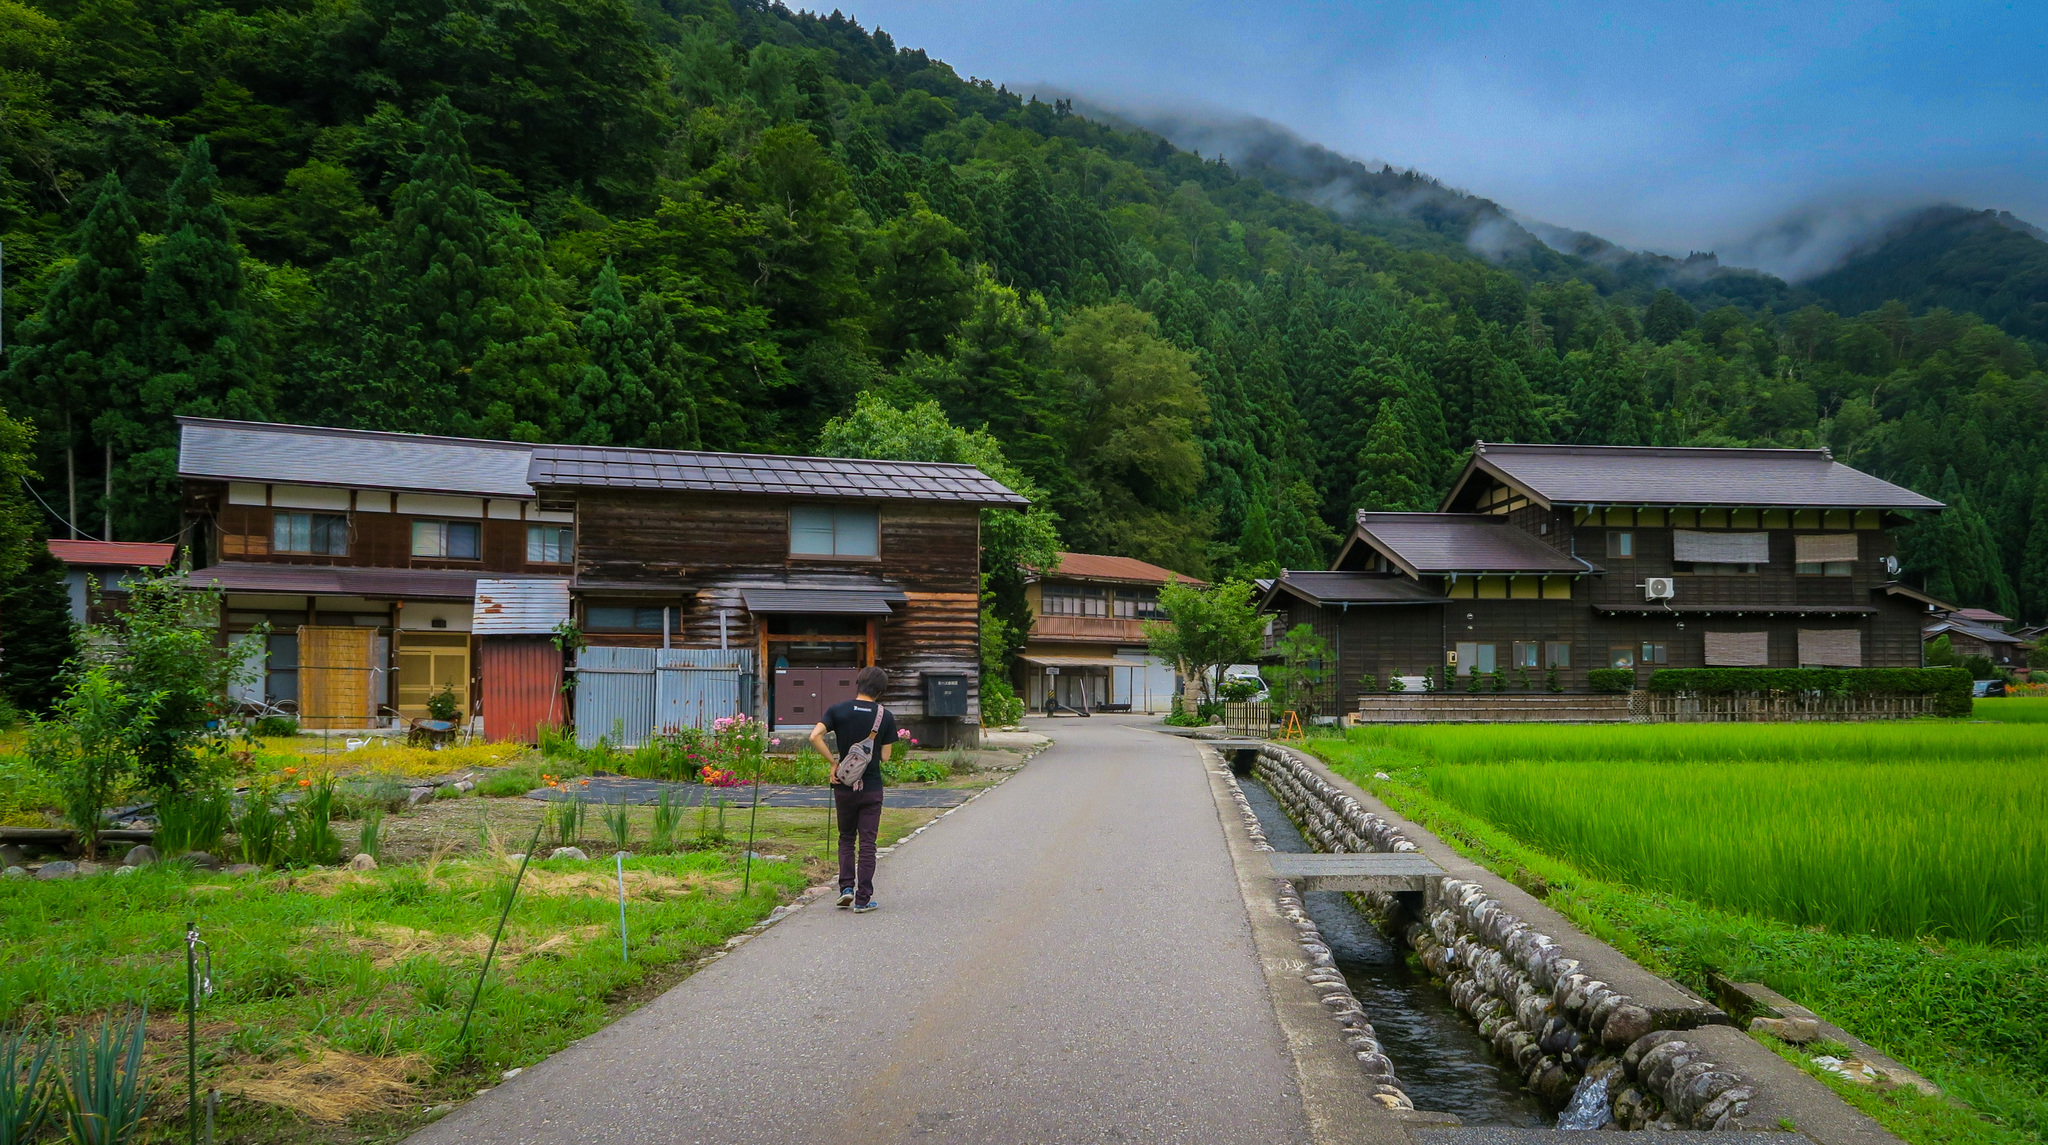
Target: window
{"x":550,"y":544}
{"x":1621,"y":545}
{"x":1526,"y":652}
{"x":1824,"y":554}
{"x":1136,"y":604}
{"x":1557,"y":654}
{"x":1621,"y":656}
{"x":321,"y":533}
{"x":1475,"y":658}
{"x":833,"y":531}
{"x":1073,"y":600}
{"x":455,"y":540}
{"x":622,"y":618}
{"x":1655,"y":652}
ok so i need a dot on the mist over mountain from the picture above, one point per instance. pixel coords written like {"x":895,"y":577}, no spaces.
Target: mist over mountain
{"x":1849,"y":255}
{"x":1414,"y":209}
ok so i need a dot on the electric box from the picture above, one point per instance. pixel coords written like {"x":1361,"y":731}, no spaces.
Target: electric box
{"x":945,"y":695}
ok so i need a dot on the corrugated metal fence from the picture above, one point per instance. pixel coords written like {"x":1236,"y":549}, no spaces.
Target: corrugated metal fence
{"x":624,"y":695}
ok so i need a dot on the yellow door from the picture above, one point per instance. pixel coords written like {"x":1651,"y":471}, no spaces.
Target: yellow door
{"x":427,"y":663}
{"x":334,"y":677}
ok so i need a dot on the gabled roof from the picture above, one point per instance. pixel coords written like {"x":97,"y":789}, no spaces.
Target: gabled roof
{"x":575,"y":466}
{"x":113,"y":554}
{"x":1126,"y":570}
{"x":1661,"y":475}
{"x":351,"y":458}
{"x":1319,"y":587}
{"x":1427,"y":544}
{"x":1908,"y":592}
{"x":1982,"y":616}
{"x":1984,"y":632}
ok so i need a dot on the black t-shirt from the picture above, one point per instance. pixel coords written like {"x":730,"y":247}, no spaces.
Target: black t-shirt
{"x":849,"y":721}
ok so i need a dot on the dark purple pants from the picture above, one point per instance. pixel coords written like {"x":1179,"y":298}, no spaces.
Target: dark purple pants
{"x":860,"y":816}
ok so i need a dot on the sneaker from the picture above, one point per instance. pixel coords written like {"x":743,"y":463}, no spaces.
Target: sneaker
{"x":845,"y":897}
{"x":863,"y":908}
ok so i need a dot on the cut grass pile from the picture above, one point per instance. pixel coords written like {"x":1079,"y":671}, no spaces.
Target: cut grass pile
{"x":373,"y":965}
{"x":1866,"y":887}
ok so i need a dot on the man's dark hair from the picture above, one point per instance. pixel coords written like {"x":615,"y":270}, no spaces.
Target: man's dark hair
{"x":870,"y":681}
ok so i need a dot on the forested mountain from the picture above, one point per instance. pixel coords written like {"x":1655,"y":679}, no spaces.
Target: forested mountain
{"x":702,"y":223}
{"x":1985,"y":262}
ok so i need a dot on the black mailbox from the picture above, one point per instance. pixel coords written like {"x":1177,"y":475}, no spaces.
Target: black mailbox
{"x":945,"y":695}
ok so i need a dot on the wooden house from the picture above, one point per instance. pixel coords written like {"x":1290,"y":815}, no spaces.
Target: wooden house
{"x":390,"y":567}
{"x":361,"y":551}
{"x":96,"y":573}
{"x":819,"y":566}
{"x":1087,"y":649}
{"x":1554,"y":558}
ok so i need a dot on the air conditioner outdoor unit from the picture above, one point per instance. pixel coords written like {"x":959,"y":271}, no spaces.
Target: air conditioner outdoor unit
{"x":1660,"y":588}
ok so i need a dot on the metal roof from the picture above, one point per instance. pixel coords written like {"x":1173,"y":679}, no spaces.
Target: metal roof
{"x":122,"y":554}
{"x":1984,"y":632}
{"x":351,"y":458}
{"x":1428,"y":543}
{"x":532,"y":606}
{"x":826,"y":601}
{"x":1660,"y":475}
{"x":1099,"y":566}
{"x":1103,"y":661}
{"x":1319,"y":587}
{"x":331,"y":580}
{"x":607,"y":467}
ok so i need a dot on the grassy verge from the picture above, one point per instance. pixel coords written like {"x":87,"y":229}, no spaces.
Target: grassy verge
{"x":340,"y":993}
{"x":1972,"y":1017}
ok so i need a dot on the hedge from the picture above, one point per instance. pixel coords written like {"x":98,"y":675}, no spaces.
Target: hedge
{"x":1612,"y":679}
{"x":1952,"y":685}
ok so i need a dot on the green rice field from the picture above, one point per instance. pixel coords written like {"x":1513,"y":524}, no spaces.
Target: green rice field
{"x":1916,"y":829}
{"x":1892,"y":876}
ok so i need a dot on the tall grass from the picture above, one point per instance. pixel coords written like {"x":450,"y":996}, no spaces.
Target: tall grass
{"x":2012,"y":709}
{"x":1915,"y":741}
{"x":1897,"y":849}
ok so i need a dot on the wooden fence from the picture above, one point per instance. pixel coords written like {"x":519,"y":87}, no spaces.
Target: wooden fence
{"x":1759,"y":707}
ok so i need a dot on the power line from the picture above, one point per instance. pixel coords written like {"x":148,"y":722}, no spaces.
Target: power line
{"x":54,"y":513}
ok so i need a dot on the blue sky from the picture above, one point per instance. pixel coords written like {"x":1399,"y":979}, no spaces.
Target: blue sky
{"x":1670,"y":126}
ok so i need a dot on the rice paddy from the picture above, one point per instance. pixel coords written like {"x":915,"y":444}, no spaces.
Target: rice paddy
{"x":1905,"y":830}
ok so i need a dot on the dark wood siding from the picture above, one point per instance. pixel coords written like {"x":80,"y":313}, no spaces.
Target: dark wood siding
{"x":707,"y":549}
{"x":376,"y":540}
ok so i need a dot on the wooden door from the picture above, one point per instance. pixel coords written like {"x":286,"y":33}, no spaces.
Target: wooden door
{"x":334,"y":677}
{"x":522,"y":687}
{"x":428,"y":662}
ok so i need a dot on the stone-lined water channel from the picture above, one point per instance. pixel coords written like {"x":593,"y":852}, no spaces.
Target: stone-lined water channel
{"x":1443,"y":1063}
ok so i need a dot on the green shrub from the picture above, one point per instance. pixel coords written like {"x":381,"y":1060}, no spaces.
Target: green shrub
{"x":105,"y":1095}
{"x":1000,"y":705}
{"x":1611,"y":680}
{"x":1952,"y":685}
{"x":260,"y":828}
{"x":908,"y":770}
{"x":281,"y":727}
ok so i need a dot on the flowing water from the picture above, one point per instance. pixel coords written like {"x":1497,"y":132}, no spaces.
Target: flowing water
{"x":1439,"y":1057}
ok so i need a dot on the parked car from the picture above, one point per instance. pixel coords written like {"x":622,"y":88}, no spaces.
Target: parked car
{"x":1981,"y":688}
{"x":1245,"y":674}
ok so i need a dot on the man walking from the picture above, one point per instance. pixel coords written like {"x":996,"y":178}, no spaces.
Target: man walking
{"x":859,"y":804}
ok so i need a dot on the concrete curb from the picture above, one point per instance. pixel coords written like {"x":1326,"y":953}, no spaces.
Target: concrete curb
{"x":1784,"y":1092}
{"x":1335,"y":1096}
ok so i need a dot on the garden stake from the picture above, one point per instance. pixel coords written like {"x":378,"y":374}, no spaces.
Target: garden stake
{"x":623,"y":956}
{"x":194,"y":985}
{"x":463,"y":1037}
{"x":753,"y":814}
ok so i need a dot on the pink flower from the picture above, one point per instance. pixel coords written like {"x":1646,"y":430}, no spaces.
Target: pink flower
{"x":776,"y":741}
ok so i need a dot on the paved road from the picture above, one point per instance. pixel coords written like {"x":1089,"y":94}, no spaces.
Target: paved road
{"x":1066,"y":959}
